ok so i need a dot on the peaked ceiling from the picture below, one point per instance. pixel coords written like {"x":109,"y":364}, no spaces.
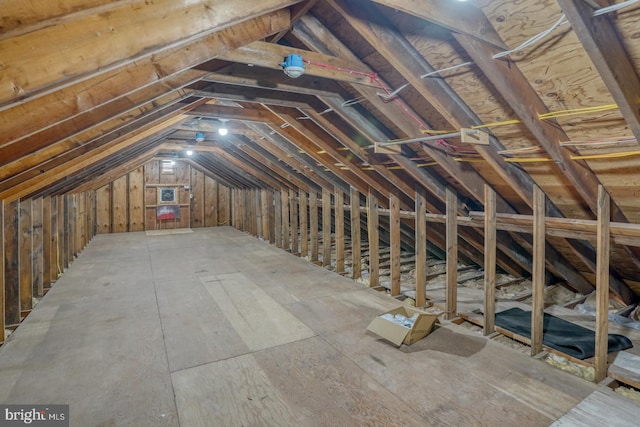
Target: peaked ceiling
{"x":90,"y":89}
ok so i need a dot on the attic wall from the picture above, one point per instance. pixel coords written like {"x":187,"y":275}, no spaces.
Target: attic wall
{"x":40,"y":238}
{"x":130,"y":203}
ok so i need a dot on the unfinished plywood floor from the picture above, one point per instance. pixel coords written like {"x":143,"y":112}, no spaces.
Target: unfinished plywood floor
{"x":216,"y":328}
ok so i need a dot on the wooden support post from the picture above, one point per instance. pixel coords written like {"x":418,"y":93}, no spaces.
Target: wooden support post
{"x":11,"y":263}
{"x":374,"y":239}
{"x":537,"y":271}
{"x":25,"y":251}
{"x":355,"y":234}
{"x":278,"y":219}
{"x":394,"y":231}
{"x":55,"y":236}
{"x":489,"y":260}
{"x":211,"y":202}
{"x":294,"y":221}
{"x":326,"y":227}
{"x":421,"y":246}
{"x":46,"y":242}
{"x":63,"y":225}
{"x":338,"y":196}
{"x":286,"y":220}
{"x":2,"y":272}
{"x":272,"y":216}
{"x":452,"y":253}
{"x":602,"y":284}
{"x":313,"y":213}
{"x":265,"y":216}
{"x":304,"y":223}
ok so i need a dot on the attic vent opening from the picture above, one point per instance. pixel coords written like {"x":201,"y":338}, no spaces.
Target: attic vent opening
{"x":168,"y":167}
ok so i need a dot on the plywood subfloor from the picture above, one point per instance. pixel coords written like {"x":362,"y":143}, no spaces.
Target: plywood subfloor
{"x":216,"y":328}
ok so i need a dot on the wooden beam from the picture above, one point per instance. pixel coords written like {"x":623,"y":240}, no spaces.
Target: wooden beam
{"x":452,"y":255}
{"x":356,"y":254}
{"x":537,"y":304}
{"x":394,"y":232}
{"x":296,"y":12}
{"x":313,"y":225}
{"x":286,"y":220}
{"x":293,"y":203}
{"x":46,"y":242}
{"x":489,"y":260}
{"x":373,"y":225}
{"x":270,"y":55}
{"x":338,"y":196}
{"x":304,"y":223}
{"x":121,"y":37}
{"x":457,"y":17}
{"x":265,"y":214}
{"x":278,"y":218}
{"x":326,"y":227}
{"x":602,"y":285}
{"x":25,"y":249}
{"x":604,"y":46}
{"x":421,"y":246}
{"x":11,"y":263}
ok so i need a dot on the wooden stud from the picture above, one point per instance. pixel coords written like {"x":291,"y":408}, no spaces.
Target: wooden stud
{"x":46,"y":242}
{"x":338,"y":196}
{"x":374,"y":239}
{"x":103,"y":208}
{"x":264,"y":206}
{"x":258,"y":209}
{"x":313,"y":225}
{"x":538,"y":271}
{"x":136,"y":200}
{"x":326,"y":227}
{"x":278,"y":218}
{"x":356,"y":254}
{"x":272,"y":215}
{"x":293,"y":203}
{"x":119,"y":205}
{"x":210,"y":202}
{"x":53,"y":243}
{"x":62,"y":233}
{"x":394,"y":231}
{"x":452,"y":253}
{"x":197,"y":198}
{"x":304,"y":223}
{"x":489,"y":259}
{"x":286,"y":220}
{"x":421,"y":246}
{"x":11,"y":263}
{"x":602,"y":284}
{"x":25,"y":255}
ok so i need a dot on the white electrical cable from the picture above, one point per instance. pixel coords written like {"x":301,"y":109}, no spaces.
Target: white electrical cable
{"x":424,"y":76}
{"x":613,"y":8}
{"x":533,"y":39}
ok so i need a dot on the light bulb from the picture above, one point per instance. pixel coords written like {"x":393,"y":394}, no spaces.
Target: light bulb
{"x":223,"y":131}
{"x":189,"y":152}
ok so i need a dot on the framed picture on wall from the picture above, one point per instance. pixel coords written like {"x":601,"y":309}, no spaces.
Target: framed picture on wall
{"x":167,"y":195}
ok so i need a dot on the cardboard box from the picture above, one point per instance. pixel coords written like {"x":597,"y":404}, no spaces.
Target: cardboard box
{"x":398,"y":334}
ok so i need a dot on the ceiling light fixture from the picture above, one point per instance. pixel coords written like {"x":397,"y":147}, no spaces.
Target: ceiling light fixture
{"x":189,"y":152}
{"x":293,"y":66}
{"x":199,"y":136}
{"x":222,"y":130}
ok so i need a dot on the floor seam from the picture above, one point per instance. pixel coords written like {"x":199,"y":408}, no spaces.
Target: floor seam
{"x":164,"y":342}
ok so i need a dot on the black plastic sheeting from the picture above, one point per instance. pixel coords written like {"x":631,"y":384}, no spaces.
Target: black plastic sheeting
{"x":559,"y":334}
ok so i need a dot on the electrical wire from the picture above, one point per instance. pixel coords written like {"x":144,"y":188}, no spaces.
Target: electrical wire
{"x":533,"y":39}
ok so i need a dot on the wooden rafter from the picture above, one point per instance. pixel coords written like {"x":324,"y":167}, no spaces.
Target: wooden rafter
{"x":603,"y":45}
